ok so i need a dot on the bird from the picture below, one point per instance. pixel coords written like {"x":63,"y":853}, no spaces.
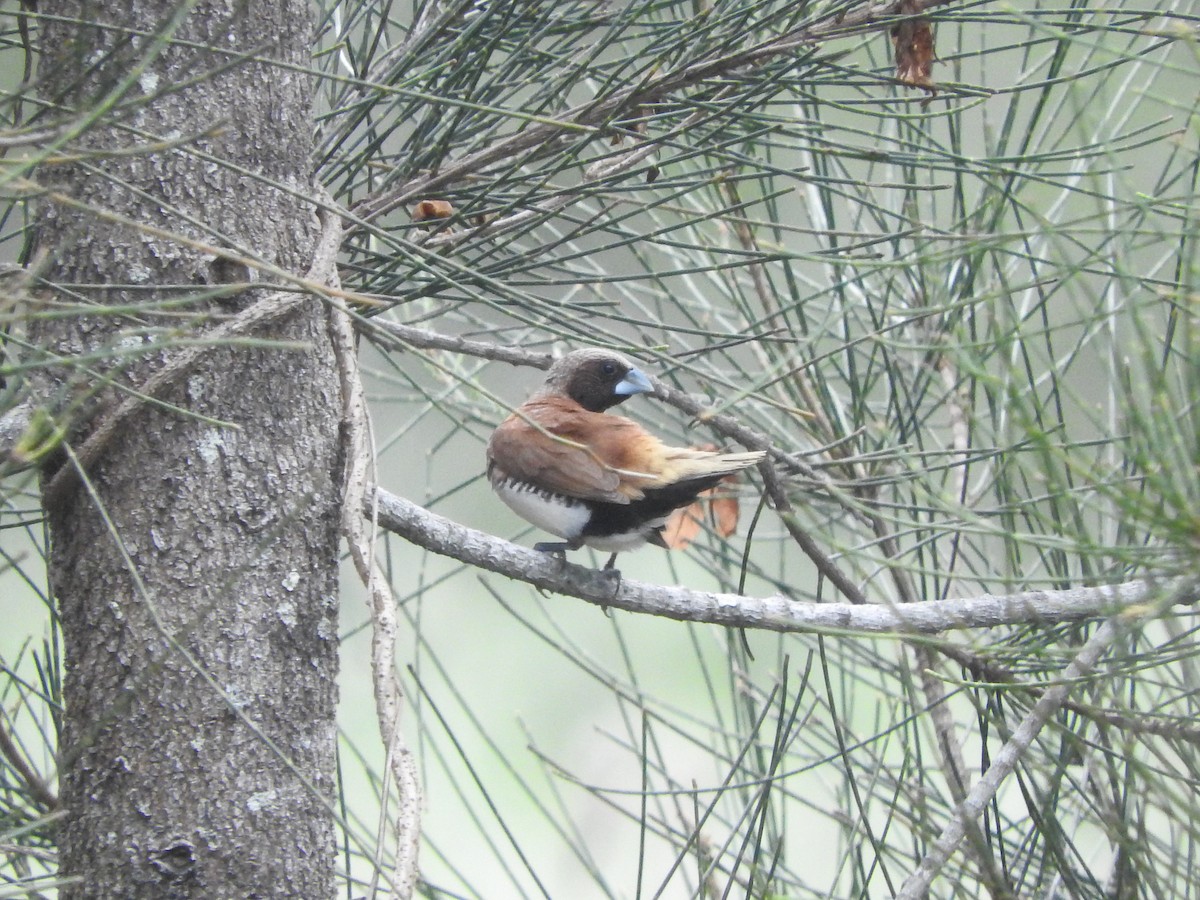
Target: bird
{"x":563,"y":463}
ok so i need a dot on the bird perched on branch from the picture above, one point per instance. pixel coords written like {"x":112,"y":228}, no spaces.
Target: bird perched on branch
{"x":593,"y":479}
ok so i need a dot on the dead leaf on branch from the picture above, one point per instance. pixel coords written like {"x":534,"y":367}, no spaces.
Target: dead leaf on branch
{"x":427,"y":210}
{"x":915,"y":51}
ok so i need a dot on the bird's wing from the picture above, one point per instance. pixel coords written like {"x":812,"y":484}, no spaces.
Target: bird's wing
{"x":556,"y":444}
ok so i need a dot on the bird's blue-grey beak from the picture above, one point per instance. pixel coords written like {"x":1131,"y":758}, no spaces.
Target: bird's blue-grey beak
{"x":634,"y":382}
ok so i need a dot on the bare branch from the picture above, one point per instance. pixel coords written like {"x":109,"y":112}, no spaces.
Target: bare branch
{"x":359,"y":454}
{"x":775,"y":613}
{"x":395,"y":334}
{"x":37,"y":788}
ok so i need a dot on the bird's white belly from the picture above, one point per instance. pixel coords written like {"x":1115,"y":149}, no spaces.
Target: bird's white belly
{"x":558,"y":515}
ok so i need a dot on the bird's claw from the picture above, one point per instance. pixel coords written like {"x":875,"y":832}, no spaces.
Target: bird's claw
{"x":613,"y":577}
{"x":556,"y":549}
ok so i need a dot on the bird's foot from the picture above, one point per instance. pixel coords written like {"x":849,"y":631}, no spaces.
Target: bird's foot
{"x":613,"y":576}
{"x":554,"y":548}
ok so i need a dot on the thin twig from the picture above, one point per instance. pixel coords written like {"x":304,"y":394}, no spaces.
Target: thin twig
{"x":389,"y":696}
{"x":953,"y":762}
{"x":37,"y":788}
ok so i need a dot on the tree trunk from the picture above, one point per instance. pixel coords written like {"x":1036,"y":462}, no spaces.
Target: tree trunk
{"x":196,"y":573}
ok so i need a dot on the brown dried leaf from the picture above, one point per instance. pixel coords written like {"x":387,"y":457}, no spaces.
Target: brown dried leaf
{"x":683,"y":525}
{"x":725,"y":512}
{"x":432,"y":209}
{"x":913,"y":43}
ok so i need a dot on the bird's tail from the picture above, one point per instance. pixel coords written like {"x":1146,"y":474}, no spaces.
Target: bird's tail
{"x":687,"y":463}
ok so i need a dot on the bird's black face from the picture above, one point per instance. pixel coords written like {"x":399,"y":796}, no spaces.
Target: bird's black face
{"x":597,"y":379}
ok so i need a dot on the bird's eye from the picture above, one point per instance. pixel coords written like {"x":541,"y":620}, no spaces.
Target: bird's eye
{"x":608,"y":368}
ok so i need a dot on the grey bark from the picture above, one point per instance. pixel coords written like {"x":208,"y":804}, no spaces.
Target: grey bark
{"x":198,"y":739}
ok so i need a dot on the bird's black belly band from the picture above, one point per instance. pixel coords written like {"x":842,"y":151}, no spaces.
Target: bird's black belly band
{"x":645,"y":515}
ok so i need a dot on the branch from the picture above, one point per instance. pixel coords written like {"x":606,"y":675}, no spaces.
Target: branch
{"x":980,"y":669}
{"x":389,"y":696}
{"x":604,"y":169}
{"x":774,"y":613}
{"x":406,"y":337}
{"x":38,"y":790}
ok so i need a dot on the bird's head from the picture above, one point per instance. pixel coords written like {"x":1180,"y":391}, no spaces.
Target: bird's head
{"x":596,"y":379}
